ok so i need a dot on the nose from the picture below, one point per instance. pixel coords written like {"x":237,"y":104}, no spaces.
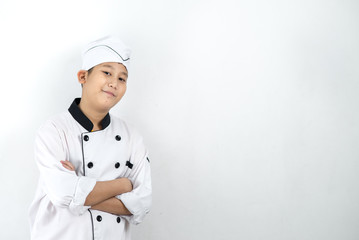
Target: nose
{"x":113,"y":83}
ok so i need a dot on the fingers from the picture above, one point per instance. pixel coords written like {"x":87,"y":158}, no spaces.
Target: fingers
{"x":68,"y":165}
{"x":64,"y":164}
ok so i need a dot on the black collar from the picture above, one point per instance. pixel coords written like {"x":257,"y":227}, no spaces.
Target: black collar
{"x":81,"y":118}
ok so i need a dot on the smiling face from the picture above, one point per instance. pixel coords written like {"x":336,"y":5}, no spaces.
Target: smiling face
{"x":104,"y":87}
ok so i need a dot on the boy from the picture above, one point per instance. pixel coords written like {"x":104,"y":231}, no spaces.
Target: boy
{"x":94,"y":169}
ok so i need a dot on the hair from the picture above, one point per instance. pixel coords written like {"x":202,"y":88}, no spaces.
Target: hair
{"x":90,"y":70}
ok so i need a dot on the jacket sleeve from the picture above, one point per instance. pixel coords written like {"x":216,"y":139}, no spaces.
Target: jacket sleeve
{"x":139,"y":200}
{"x":62,"y":186}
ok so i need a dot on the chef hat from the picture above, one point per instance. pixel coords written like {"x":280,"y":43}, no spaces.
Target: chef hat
{"x":107,"y":49}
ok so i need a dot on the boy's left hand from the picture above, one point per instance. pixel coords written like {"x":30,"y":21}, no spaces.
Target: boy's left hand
{"x":66,"y":164}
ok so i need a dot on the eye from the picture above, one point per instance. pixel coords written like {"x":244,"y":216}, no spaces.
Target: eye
{"x":107,"y":73}
{"x":122,"y":80}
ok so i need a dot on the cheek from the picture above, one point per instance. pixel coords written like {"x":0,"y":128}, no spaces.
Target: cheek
{"x":92,"y":83}
{"x":123,"y":89}
{"x":98,"y":85}
{"x":122,"y":92}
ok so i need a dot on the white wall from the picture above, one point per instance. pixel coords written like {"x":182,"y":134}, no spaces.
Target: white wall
{"x":249,"y":109}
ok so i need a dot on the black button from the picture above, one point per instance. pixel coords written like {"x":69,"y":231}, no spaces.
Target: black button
{"x":86,"y":138}
{"x":90,"y":165}
{"x":117,"y":165}
{"x":99,"y":218}
{"x":118,"y":219}
{"x":118,"y":137}
{"x":129,"y":164}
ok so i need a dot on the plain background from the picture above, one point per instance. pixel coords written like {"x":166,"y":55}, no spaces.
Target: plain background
{"x":249,"y":110}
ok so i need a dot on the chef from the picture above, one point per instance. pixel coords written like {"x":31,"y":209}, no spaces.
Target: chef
{"x":95,"y":175}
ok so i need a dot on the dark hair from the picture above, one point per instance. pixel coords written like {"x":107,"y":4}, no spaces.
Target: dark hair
{"x":90,"y":70}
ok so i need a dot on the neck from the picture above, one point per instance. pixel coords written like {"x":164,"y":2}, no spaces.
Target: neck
{"x":92,"y":114}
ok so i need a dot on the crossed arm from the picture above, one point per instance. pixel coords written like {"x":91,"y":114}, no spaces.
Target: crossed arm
{"x":102,"y":197}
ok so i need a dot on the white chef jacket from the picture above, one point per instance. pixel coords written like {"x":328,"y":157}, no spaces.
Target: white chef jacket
{"x":116,"y":151}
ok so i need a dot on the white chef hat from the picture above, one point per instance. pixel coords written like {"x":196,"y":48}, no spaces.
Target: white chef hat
{"x":107,"y":49}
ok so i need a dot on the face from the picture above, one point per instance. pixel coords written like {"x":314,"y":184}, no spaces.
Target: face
{"x":104,"y":87}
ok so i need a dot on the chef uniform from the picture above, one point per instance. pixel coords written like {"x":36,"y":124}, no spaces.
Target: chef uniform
{"x":115,"y":151}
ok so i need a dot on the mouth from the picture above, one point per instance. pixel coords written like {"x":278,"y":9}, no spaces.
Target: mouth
{"x":109,"y":93}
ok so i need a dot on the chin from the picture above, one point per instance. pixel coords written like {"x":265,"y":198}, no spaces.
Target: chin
{"x":108,"y":105}
{"x":105,"y":103}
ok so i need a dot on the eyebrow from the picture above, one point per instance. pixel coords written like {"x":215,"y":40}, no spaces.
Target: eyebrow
{"x":109,"y":66}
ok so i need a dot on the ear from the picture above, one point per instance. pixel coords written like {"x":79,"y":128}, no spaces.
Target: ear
{"x":82,"y":76}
